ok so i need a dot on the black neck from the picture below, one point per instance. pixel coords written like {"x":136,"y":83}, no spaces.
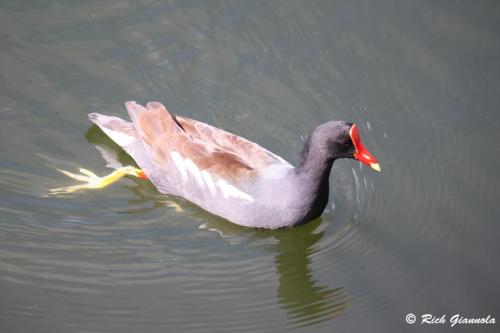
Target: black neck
{"x":312,"y":174}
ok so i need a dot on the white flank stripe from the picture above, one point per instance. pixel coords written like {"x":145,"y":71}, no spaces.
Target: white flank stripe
{"x":120,"y":138}
{"x":179,"y":163}
{"x":209,"y":181}
{"x":231,"y":191}
{"x":223,"y":187}
{"x":193,"y":169}
{"x":203,"y":177}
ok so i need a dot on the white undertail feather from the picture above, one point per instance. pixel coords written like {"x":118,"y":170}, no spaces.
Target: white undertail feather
{"x":120,"y":138}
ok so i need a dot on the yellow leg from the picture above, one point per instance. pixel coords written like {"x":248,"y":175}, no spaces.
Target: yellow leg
{"x":95,"y":182}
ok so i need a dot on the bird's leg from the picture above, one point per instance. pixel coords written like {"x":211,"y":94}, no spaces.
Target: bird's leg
{"x":92,"y":181}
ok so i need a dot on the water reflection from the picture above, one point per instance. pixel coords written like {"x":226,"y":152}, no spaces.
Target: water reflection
{"x":304,"y":299}
{"x":301,"y":296}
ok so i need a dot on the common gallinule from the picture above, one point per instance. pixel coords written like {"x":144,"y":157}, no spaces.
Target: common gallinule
{"x":223,"y":173}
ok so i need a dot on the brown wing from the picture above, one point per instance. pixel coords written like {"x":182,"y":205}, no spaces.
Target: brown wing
{"x":250,"y":153}
{"x":214,"y":150}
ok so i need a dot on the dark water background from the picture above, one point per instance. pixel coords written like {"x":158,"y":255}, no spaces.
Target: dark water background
{"x":421,"y":79}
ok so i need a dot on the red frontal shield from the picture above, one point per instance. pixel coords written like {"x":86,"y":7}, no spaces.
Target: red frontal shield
{"x":362,"y":154}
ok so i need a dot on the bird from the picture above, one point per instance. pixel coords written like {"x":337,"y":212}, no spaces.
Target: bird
{"x":223,"y":173}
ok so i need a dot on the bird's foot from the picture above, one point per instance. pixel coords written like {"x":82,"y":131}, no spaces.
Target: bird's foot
{"x":93,"y":181}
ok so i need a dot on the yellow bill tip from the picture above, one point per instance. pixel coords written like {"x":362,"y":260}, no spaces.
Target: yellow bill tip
{"x":375,"y":166}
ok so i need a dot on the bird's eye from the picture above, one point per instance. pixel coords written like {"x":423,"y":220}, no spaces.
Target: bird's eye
{"x":346,"y":141}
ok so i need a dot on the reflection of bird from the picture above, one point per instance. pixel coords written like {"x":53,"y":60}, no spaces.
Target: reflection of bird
{"x":223,"y":173}
{"x":298,"y":293}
